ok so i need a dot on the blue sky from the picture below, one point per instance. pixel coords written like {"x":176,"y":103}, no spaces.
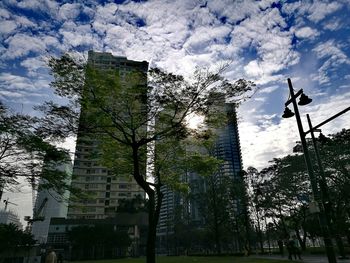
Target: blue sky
{"x":265,"y":41}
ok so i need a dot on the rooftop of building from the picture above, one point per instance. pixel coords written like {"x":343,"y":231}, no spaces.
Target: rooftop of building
{"x":109,"y":56}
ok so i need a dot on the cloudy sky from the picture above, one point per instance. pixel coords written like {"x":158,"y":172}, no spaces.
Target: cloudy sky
{"x":265,"y":41}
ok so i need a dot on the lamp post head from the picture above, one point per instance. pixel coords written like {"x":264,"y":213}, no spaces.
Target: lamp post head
{"x":287,"y":113}
{"x":304,"y":100}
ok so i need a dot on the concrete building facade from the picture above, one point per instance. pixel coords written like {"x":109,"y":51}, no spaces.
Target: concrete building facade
{"x":104,"y":186}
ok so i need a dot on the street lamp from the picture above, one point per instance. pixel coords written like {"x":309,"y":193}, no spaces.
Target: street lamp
{"x":323,"y":184}
{"x":304,"y":100}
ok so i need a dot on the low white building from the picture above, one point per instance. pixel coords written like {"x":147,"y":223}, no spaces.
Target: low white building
{"x":8,"y":217}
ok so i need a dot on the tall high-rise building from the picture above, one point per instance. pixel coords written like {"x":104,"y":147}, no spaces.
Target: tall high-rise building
{"x":227,"y":148}
{"x":104,"y":187}
{"x":50,"y":204}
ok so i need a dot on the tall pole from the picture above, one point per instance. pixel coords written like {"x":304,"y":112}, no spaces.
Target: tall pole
{"x":327,"y":204}
{"x":321,"y":214}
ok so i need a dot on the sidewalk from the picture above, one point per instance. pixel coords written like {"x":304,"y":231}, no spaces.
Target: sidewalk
{"x":305,"y":258}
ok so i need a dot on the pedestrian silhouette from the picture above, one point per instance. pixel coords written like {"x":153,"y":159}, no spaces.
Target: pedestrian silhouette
{"x":280,"y":246}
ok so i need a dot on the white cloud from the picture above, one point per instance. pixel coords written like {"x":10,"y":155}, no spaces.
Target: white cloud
{"x":7,"y":27}
{"x":269,"y":89}
{"x":34,"y":65}
{"x":47,"y":6}
{"x":237,"y":10}
{"x":22,"y":90}
{"x":69,"y":11}
{"x":333,"y":57}
{"x":315,"y":11}
{"x":330,"y":49}
{"x":206,"y":36}
{"x":262,"y":139}
{"x":306,"y":32}
{"x":319,"y":10}
{"x":24,"y":22}
{"x":21,"y":44}
{"x":333,"y":25}
{"x":254,"y":69}
{"x":265,"y":33}
{"x":4,"y":13}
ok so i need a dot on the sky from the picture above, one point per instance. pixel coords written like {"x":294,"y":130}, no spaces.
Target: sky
{"x":264,"y":41}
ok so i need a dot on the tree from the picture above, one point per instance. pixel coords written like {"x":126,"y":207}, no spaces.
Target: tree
{"x":335,"y":158}
{"x":286,"y":195}
{"x":285,"y":192}
{"x":212,"y":200}
{"x":25,"y":154}
{"x":132,"y":115}
{"x":11,"y":238}
{"x":239,"y":201}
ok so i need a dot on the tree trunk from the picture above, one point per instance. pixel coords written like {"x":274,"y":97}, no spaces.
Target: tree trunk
{"x":153,"y":217}
{"x":259,"y":232}
{"x":151,"y":235}
{"x":216,"y":218}
{"x":301,"y":241}
{"x":333,"y":216}
{"x":247,"y":243}
{"x":153,"y":209}
{"x":217,"y":232}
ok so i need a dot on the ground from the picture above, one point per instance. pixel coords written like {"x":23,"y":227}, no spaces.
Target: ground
{"x":189,"y":260}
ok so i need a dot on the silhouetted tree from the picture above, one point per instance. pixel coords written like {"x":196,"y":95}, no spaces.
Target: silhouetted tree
{"x":12,"y":238}
{"x":25,"y":154}
{"x":132,"y":115}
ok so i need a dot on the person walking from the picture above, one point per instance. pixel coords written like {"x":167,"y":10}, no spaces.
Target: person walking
{"x":296,"y":248}
{"x":51,"y":257}
{"x":280,"y":246}
{"x":290,"y":248}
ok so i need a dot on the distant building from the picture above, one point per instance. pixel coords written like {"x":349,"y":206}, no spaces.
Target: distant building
{"x":10,"y":217}
{"x":103,"y":186}
{"x":50,"y":204}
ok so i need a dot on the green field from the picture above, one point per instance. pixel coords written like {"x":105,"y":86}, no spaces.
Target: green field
{"x":189,"y":260}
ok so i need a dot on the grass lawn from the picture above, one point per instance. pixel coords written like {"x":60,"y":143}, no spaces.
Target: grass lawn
{"x":189,"y":260}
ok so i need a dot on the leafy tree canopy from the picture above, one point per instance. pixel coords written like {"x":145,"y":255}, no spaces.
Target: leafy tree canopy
{"x":25,"y":154}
